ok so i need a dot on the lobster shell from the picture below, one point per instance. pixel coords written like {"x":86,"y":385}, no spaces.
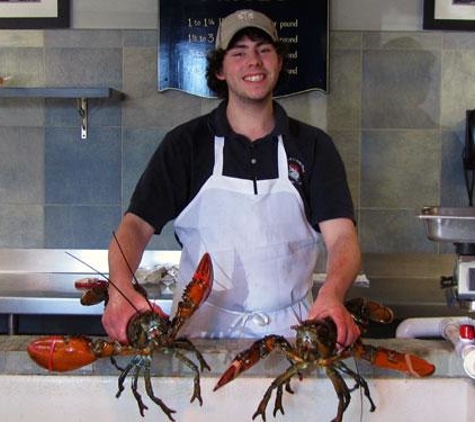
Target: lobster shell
{"x":60,"y":353}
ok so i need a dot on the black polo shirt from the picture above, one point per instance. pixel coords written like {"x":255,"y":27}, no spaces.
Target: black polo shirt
{"x":184,"y":160}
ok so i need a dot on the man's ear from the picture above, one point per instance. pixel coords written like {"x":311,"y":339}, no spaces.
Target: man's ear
{"x":219,"y":75}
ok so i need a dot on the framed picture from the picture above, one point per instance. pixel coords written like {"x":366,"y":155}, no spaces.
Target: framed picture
{"x":458,"y":15}
{"x":34,"y":14}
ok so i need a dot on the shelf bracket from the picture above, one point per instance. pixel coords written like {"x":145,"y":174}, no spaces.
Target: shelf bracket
{"x":80,"y":94}
{"x":82,"y":109}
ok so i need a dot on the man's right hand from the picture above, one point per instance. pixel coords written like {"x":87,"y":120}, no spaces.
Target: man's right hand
{"x":119,"y":310}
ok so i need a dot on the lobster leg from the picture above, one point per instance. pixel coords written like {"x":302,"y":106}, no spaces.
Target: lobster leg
{"x":137,"y":370}
{"x":123,"y":376}
{"x":139,"y":364}
{"x":196,"y":381}
{"x":185,"y":344}
{"x":115,"y":364}
{"x":278,"y":396}
{"x":281,"y":380}
{"x":155,"y":399}
{"x":341,"y":390}
{"x":360,"y":382}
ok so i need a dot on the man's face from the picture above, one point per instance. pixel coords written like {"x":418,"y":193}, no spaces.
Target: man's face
{"x":251,"y":69}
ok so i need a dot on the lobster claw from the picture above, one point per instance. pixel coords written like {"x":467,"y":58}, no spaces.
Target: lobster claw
{"x":242,"y":362}
{"x":195,"y":293}
{"x":61,"y":353}
{"x":391,"y":359}
{"x":95,"y":291}
{"x":246,"y":359}
{"x":364,"y":311}
{"x":201,"y":284}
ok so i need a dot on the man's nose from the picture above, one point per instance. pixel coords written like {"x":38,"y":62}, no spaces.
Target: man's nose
{"x":254,"y":57}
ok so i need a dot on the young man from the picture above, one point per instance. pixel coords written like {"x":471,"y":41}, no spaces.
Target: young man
{"x":254,"y":188}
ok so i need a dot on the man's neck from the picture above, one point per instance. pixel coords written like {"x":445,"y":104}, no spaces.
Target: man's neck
{"x":251,"y":118}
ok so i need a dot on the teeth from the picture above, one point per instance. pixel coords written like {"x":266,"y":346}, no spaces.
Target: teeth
{"x":254,"y":78}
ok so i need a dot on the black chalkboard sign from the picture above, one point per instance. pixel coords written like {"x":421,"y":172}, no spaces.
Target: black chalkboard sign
{"x":188,"y":29}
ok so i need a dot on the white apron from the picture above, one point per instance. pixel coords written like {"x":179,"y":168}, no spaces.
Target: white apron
{"x":263,"y":250}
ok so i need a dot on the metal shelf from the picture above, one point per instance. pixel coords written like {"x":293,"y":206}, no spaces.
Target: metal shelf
{"x":82,"y":94}
{"x":59,"y":92}
{"x":41,"y":281}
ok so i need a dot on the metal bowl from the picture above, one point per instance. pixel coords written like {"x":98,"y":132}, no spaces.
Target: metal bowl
{"x":456,"y":225}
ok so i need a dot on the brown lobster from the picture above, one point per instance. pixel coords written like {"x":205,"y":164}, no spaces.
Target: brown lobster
{"x":148,"y":333}
{"x":315,"y":347}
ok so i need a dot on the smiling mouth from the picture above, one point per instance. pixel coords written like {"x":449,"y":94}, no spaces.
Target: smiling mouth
{"x":254,"y":78}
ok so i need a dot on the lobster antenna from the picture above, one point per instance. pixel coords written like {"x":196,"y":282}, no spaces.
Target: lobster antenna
{"x":103,"y":275}
{"x":129,"y":267}
{"x":125,"y":259}
{"x":360,"y":389}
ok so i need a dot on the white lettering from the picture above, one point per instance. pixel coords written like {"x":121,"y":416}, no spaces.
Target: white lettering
{"x":293,"y":55}
{"x":290,"y":40}
{"x":289,"y":24}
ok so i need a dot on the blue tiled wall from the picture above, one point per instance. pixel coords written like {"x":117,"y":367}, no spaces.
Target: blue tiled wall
{"x":395,"y":109}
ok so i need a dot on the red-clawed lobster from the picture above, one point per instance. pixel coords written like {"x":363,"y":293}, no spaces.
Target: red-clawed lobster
{"x":148,"y":333}
{"x":315,"y":346}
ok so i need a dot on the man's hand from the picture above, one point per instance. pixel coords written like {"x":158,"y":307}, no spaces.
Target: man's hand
{"x":343,"y":263}
{"x":119,"y":310}
{"x":327,"y":305}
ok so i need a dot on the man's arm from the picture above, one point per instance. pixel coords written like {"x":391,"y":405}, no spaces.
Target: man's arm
{"x":343,"y":264}
{"x":133,"y":236}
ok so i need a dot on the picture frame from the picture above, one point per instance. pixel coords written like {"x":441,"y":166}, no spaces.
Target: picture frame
{"x":451,"y":15}
{"x":40,"y":14}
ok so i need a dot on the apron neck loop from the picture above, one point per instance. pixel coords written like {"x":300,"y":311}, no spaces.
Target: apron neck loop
{"x":219,"y":154}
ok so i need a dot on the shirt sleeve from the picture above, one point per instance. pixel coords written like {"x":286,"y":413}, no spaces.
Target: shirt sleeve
{"x":162,"y":190}
{"x":329,"y":194}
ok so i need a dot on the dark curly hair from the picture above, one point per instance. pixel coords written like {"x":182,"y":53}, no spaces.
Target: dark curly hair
{"x":215,"y":60}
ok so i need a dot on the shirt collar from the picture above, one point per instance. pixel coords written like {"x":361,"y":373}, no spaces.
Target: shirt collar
{"x":220,"y":126}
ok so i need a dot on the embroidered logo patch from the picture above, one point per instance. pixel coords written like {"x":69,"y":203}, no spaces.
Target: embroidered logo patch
{"x":296,"y":171}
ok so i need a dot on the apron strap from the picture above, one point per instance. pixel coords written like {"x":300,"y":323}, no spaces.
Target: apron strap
{"x":282,"y":157}
{"x":218,"y":155}
{"x":260,"y":317}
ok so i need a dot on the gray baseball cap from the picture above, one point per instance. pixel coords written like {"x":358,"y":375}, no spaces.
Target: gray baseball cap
{"x":241,"y":19}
